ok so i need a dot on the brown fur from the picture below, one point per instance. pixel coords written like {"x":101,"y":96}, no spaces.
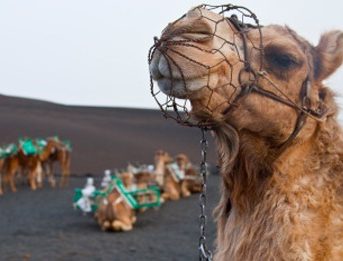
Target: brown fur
{"x":272,"y":207}
{"x":56,"y":151}
{"x":115,"y":214}
{"x":1,"y":175}
{"x":192,"y":182}
{"x":31,"y":166}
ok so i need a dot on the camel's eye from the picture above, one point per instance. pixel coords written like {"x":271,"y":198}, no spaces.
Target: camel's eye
{"x":198,"y":36}
{"x":280,"y":59}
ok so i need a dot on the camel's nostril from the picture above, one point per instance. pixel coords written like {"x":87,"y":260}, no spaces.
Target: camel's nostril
{"x":164,"y":67}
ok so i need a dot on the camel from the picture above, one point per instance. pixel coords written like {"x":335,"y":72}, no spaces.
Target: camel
{"x":2,"y":160}
{"x":169,"y":186}
{"x":10,"y":165}
{"x":114,"y":213}
{"x":275,"y":122}
{"x":29,"y":162}
{"x":56,"y":150}
{"x":172,"y":185}
{"x":192,"y":181}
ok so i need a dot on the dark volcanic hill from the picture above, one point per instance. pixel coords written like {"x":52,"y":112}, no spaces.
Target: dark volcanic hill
{"x":102,"y":137}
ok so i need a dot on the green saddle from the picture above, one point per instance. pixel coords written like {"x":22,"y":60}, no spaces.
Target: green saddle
{"x":67,"y":144}
{"x":40,"y":144}
{"x":28,"y":147}
{"x":8,"y":150}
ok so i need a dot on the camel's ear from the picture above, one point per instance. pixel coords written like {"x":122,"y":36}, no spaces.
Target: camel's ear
{"x":329,"y":54}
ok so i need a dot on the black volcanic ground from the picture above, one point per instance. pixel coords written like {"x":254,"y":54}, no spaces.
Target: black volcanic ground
{"x":101,"y":137}
{"x":42,"y":225}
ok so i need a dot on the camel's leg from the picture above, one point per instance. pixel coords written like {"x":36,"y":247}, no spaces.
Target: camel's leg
{"x":133,"y":219}
{"x":50,"y":174}
{"x":173,"y":192}
{"x":65,"y":165}
{"x":11,"y":179}
{"x":32,"y":179}
{"x":118,"y":225}
{"x":105,"y":225}
{"x":184,"y":189}
{"x":39,"y":174}
{"x":1,"y":192}
{"x":165,"y":196}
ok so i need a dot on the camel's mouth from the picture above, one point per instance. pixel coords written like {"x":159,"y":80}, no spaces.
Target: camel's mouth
{"x":196,"y":63}
{"x":171,"y":81}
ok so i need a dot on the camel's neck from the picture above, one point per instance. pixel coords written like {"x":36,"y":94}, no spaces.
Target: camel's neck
{"x":159,"y":167}
{"x":46,"y":152}
{"x":253,"y":170}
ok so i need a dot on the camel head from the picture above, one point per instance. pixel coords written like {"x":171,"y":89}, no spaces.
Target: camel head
{"x":162,"y":157}
{"x":231,"y":69}
{"x":128,"y":179}
{"x":182,"y":161}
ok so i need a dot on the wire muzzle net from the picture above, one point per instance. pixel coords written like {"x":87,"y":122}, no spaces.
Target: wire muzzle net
{"x":186,"y":60}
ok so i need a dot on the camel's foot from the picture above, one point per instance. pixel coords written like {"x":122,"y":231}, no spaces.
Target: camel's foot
{"x":120,"y":226}
{"x":165,"y":197}
{"x":40,"y":185}
{"x":1,"y":192}
{"x":105,"y":225}
{"x":52,"y":183}
{"x":174,"y":197}
{"x":142,"y":210}
{"x":133,"y":220}
{"x":186,"y":194}
{"x":14,"y":189}
{"x":33,"y":187}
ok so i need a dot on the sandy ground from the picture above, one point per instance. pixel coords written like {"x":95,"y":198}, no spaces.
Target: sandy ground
{"x":42,"y":225}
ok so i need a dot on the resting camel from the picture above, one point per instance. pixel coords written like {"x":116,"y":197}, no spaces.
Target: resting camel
{"x":169,"y":186}
{"x":173,"y":186}
{"x":275,"y":122}
{"x":113,"y":212}
{"x":192,"y":181}
{"x":56,"y":150}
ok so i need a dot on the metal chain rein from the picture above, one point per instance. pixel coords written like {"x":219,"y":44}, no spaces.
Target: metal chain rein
{"x":204,"y":253}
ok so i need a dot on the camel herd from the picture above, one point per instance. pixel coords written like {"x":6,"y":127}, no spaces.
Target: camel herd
{"x":34,"y":159}
{"x":151,"y":186}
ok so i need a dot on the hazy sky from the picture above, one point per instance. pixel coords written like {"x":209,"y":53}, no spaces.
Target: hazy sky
{"x":95,"y":52}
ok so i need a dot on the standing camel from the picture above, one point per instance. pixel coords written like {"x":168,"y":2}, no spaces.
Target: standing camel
{"x":2,"y":160}
{"x":28,"y":158}
{"x":10,"y":165}
{"x":56,"y":151}
{"x":261,"y":91}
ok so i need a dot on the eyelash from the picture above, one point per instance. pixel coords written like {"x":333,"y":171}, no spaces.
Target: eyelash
{"x":282,"y":60}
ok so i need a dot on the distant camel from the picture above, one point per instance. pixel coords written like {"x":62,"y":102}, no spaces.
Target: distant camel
{"x":191,"y":183}
{"x":29,"y":162}
{"x":169,"y":186}
{"x":56,"y":151}
{"x":113,"y":212}
{"x":172,"y":176}
{"x":10,"y":165}
{"x":1,"y":174}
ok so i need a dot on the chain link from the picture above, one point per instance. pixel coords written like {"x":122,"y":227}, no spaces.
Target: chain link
{"x":204,"y":253}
